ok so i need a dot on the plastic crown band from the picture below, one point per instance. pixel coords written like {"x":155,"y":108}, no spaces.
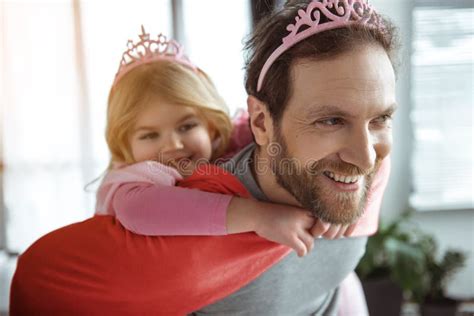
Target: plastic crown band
{"x":307,"y":23}
{"x":148,"y":50}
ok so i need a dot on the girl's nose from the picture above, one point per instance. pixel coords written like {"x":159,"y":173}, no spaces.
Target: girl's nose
{"x":172,"y":142}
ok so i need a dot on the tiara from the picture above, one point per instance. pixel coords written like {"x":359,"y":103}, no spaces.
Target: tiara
{"x":148,"y":50}
{"x":307,"y":23}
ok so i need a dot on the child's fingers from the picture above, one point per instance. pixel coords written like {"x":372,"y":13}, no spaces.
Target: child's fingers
{"x":319,"y":228}
{"x":332,"y":231}
{"x":299,"y":247}
{"x":341,"y":231}
{"x":350,"y":230}
{"x":308,"y":240}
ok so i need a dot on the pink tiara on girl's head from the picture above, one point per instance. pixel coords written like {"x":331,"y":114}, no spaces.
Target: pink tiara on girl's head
{"x":147,"y":50}
{"x":307,"y":23}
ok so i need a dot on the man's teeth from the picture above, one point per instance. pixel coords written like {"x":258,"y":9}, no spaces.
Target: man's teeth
{"x":342,"y":178}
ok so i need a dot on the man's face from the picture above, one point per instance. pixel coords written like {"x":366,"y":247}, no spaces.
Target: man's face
{"x":335,"y":131}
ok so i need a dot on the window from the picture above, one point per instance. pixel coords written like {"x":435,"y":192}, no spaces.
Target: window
{"x":443,"y":100}
{"x":213,"y":39}
{"x":58,"y":60}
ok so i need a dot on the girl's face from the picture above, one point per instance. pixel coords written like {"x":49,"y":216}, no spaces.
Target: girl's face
{"x":172,"y":134}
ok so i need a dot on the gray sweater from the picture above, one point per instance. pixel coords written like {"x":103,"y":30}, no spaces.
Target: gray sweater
{"x":294,"y":286}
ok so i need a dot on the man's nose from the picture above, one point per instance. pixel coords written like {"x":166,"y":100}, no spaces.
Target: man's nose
{"x":172,"y":141}
{"x":359,"y":149}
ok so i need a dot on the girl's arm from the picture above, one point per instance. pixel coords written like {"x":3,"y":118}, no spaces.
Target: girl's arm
{"x":283,"y":224}
{"x":151,"y":209}
{"x":147,"y":209}
{"x":157,"y":210}
{"x":152,"y":206}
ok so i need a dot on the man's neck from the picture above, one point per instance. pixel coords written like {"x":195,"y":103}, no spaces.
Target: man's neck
{"x":267,"y":182}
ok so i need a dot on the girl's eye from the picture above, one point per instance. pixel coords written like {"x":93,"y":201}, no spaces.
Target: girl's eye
{"x":152,"y":135}
{"x":332,"y":121}
{"x":187,"y":127}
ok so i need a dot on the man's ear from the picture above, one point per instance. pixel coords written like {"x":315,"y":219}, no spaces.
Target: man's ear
{"x":261,"y":121}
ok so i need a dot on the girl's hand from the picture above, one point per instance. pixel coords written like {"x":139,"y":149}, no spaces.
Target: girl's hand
{"x":286,"y":225}
{"x":331,"y":231}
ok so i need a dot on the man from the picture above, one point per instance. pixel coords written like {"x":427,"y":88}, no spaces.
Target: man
{"x":320,"y":109}
{"x":321,"y":118}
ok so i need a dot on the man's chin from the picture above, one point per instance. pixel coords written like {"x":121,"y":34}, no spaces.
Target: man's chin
{"x":347,"y":215}
{"x":340,"y":207}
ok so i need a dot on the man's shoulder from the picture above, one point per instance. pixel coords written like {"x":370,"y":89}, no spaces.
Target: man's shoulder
{"x":212,"y":178}
{"x":241,"y":166}
{"x":329,"y":263}
{"x":238,"y":161}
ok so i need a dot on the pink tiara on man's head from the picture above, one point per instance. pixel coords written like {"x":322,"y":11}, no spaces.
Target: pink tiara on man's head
{"x":307,"y":23}
{"x":148,"y":50}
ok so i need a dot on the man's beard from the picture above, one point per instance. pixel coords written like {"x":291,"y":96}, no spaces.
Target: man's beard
{"x":303,"y":182}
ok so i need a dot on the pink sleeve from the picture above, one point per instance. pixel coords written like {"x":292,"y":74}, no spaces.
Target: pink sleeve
{"x":153,"y":210}
{"x":146,"y":171}
{"x":368,"y":223}
{"x":241,"y":135}
{"x":352,"y":298}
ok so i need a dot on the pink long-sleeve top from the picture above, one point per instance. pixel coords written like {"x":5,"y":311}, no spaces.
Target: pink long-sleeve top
{"x":145,"y":199}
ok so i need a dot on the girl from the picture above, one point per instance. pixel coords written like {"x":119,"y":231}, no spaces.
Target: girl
{"x":164,"y":119}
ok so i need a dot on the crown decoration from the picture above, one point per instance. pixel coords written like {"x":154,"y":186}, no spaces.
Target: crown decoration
{"x":307,"y":23}
{"x":149,"y":50}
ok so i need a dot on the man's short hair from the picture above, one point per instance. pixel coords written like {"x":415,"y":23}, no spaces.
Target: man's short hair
{"x":267,"y":36}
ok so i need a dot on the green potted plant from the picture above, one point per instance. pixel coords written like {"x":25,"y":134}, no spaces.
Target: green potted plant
{"x":390,"y":265}
{"x":429,"y":290}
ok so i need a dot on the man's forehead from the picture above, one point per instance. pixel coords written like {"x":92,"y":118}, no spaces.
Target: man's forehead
{"x":322,"y":79}
{"x":342,"y":88}
{"x":343,"y":95}
{"x":362,"y":79}
{"x":362,"y":63}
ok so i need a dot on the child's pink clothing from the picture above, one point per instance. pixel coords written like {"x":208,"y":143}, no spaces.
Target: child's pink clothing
{"x":351,"y":295}
{"x":146,"y":172}
{"x":368,"y":224}
{"x":241,"y":135}
{"x":144,"y":198}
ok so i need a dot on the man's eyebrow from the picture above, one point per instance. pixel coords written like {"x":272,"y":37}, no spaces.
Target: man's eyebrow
{"x":337,"y":111}
{"x":327,"y":110}
{"x":391,"y":109}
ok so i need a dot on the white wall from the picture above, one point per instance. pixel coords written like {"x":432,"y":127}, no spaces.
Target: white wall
{"x":452,"y":229}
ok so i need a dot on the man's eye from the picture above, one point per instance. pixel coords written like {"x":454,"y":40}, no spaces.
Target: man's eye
{"x":150,"y":136}
{"x":330,"y":121}
{"x":384,"y":119}
{"x":187,"y":127}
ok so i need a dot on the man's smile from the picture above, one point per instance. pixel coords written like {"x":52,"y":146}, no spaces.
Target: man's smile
{"x":343,"y":182}
{"x":342,"y":178}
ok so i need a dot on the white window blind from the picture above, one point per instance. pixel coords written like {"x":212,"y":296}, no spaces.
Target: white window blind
{"x":442,"y":98}
{"x":53,"y":126}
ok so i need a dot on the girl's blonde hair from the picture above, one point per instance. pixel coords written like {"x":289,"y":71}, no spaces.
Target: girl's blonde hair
{"x":170,"y":82}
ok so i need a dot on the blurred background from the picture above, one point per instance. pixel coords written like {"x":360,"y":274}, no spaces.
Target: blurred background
{"x":58,"y":59}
